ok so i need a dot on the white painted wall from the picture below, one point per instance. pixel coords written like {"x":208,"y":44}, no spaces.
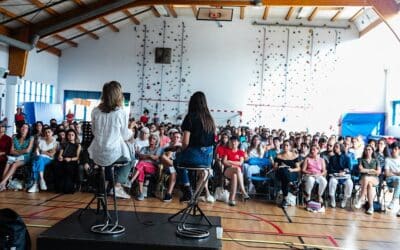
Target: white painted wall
{"x":222,"y":63}
{"x":42,"y":67}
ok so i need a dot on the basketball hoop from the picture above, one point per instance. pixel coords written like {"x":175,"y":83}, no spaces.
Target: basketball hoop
{"x":214,"y":15}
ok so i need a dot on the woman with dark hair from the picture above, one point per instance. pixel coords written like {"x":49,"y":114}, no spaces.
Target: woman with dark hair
{"x":255,"y":161}
{"x":287,"y":169}
{"x":45,"y":151}
{"x":5,"y":146}
{"x":314,"y":170}
{"x":233,"y":161}
{"x":20,"y":153}
{"x":110,"y":130}
{"x":67,"y":169}
{"x":370,"y":170}
{"x":381,"y":154}
{"x":339,"y":172}
{"x":38,"y":130}
{"x":198,"y":139}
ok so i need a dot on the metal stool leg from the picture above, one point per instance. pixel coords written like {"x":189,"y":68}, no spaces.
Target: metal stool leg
{"x":108,"y":227}
{"x":193,"y":232}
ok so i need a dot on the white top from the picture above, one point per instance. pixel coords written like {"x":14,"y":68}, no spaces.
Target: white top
{"x":141,"y":144}
{"x":393,"y":164}
{"x":110,"y":131}
{"x":43,"y":146}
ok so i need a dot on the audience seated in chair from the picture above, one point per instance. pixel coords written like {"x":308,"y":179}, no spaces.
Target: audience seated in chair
{"x":5,"y":147}
{"x":287,"y":170}
{"x":233,"y":161}
{"x":255,"y":162}
{"x":47,"y":148}
{"x":314,"y":171}
{"x":370,"y":170}
{"x":148,"y":160}
{"x":67,"y":167}
{"x":339,"y":172}
{"x":392,"y":173}
{"x":167,"y":159}
{"x":20,"y":154}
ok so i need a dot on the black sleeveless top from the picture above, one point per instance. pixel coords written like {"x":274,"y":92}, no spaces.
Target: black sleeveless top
{"x":290,"y":163}
{"x":69,"y":149}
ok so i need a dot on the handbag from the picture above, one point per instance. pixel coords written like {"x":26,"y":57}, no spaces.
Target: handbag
{"x":221,"y":194}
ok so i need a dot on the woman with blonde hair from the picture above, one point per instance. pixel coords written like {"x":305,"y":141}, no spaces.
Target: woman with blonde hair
{"x":110,"y":130}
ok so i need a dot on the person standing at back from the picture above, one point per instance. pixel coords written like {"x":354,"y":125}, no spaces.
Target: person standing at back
{"x":110,"y":130}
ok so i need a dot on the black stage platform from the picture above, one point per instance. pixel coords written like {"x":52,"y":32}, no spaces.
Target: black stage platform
{"x":154,"y":232}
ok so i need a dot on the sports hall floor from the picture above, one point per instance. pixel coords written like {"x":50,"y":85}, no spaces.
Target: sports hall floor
{"x":254,"y":224}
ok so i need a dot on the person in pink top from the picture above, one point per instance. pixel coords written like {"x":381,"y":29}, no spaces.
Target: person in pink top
{"x":314,"y":170}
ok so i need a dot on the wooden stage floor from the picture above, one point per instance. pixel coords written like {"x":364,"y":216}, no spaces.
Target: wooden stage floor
{"x":254,"y":224}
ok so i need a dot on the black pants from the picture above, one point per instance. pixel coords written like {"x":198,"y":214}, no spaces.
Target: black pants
{"x":66,"y":177}
{"x":286,"y":177}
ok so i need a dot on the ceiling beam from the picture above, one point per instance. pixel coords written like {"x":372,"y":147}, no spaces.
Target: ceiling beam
{"x":335,"y":17}
{"x":52,"y":50}
{"x":18,"y":58}
{"x":84,"y":30}
{"x":171,"y":10}
{"x":155,"y":11}
{"x":386,"y":9}
{"x":80,"y":3}
{"x":61,"y":38}
{"x":5,"y":31}
{"x":194,"y":9}
{"x":100,"y":8}
{"x":242,"y":10}
{"x":313,"y":14}
{"x":110,"y":25}
{"x":357,"y":14}
{"x":266,"y":12}
{"x":289,"y":14}
{"x":53,"y":12}
{"x":370,"y":27}
{"x":133,"y":19}
{"x":12,"y":15}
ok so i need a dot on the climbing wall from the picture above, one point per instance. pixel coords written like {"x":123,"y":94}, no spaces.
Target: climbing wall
{"x":290,"y":67}
{"x":162,"y":88}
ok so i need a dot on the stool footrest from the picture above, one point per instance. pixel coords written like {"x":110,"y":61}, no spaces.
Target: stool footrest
{"x":191,"y":232}
{"x":107,"y":229}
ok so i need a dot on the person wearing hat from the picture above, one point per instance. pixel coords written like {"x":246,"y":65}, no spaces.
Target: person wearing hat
{"x":5,"y":146}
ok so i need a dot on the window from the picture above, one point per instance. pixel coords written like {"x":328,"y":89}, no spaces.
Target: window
{"x":30,"y":91}
{"x":396,"y":113}
{"x":81,"y":103}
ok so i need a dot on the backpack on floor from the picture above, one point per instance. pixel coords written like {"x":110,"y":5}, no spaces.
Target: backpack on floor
{"x":13,"y":232}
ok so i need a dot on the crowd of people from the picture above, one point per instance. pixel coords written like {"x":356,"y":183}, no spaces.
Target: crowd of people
{"x":296,"y":161}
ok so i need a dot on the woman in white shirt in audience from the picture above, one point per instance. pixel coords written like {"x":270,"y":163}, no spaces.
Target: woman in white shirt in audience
{"x":45,"y":151}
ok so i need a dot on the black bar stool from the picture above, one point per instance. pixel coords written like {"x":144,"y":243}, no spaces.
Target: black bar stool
{"x":193,"y":208}
{"x":110,"y":225}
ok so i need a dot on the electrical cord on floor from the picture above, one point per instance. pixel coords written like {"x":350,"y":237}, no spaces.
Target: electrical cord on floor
{"x":146,"y":223}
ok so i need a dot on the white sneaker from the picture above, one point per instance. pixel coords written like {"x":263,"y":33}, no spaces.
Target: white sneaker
{"x":120,"y":193}
{"x":343,"y":203}
{"x":392,"y":203}
{"x":210,"y":199}
{"x":34,"y":188}
{"x":43,"y":185}
{"x":127,"y":184}
{"x":252,"y":188}
{"x":333,"y":202}
{"x":370,"y":210}
{"x":358,"y":204}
